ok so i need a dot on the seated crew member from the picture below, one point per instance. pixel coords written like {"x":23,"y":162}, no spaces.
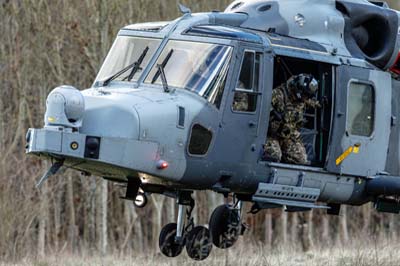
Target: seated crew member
{"x":288,"y":104}
{"x":241,"y":99}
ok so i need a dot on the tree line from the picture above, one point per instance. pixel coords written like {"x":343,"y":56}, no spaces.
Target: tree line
{"x":47,"y":43}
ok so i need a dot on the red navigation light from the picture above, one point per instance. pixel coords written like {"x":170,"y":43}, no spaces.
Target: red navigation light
{"x":161,"y":164}
{"x":396,"y":66}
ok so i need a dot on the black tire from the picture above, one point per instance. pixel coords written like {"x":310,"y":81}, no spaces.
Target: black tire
{"x":167,"y":243}
{"x":225,"y":226}
{"x":198,"y":243}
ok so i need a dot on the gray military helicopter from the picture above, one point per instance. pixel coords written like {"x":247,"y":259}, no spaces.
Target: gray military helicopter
{"x":161,"y":117}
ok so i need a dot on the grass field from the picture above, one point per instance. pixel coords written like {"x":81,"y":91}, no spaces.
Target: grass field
{"x":380,"y":254}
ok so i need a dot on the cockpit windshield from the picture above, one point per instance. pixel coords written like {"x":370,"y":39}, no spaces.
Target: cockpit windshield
{"x":128,"y":51}
{"x":190,"y":65}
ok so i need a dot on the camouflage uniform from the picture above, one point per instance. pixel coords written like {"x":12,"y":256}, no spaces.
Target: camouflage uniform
{"x":284,"y":141}
{"x":241,"y":102}
{"x":272,"y":150}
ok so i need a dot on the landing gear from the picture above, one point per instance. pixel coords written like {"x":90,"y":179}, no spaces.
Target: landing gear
{"x":225,"y":226}
{"x":225,"y":229}
{"x":175,"y":236}
{"x":198,"y":243}
{"x":167,"y":241}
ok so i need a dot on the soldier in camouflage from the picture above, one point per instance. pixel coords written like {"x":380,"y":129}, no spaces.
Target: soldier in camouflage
{"x":240,"y":102}
{"x":288,"y":104}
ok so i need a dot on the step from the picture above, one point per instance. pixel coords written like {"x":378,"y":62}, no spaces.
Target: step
{"x":285,"y":195}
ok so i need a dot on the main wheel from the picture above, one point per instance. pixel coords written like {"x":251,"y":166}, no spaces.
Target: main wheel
{"x":198,"y":243}
{"x":167,"y":243}
{"x":225,"y":226}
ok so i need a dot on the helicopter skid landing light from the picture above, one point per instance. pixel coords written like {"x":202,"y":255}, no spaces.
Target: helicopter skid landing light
{"x":140,"y":200}
{"x":161,"y":164}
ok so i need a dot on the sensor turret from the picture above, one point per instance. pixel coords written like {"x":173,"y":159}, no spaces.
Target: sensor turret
{"x":65,"y":107}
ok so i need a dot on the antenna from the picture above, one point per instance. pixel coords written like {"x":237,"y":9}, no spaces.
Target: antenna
{"x":183,"y":9}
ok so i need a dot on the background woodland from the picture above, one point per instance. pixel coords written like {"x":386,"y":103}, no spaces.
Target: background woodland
{"x":46,"y":43}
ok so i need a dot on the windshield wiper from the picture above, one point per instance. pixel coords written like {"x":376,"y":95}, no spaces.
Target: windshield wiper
{"x":161,"y":67}
{"x":138,"y":63}
{"x":163,"y":77}
{"x":135,"y":65}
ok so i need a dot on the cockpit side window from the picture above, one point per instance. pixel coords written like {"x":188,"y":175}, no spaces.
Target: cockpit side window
{"x":246,"y":77}
{"x":246,"y":91}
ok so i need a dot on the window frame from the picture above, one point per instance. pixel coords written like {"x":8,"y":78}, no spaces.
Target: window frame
{"x":373,"y":87}
{"x":224,"y":81}
{"x":255,"y":91}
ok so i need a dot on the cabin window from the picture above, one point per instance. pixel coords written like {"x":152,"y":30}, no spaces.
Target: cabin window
{"x":200,"y":140}
{"x":246,"y":91}
{"x":361,"y":105}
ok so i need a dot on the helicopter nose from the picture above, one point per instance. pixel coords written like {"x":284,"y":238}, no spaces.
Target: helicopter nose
{"x":122,"y":134}
{"x":106,"y":116}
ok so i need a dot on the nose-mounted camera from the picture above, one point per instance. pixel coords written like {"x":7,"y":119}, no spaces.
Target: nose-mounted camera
{"x":65,"y":108}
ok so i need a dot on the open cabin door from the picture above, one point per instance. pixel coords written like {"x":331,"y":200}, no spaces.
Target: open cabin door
{"x":361,"y":122}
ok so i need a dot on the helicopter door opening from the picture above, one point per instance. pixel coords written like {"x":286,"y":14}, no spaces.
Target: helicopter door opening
{"x":361,"y":122}
{"x":314,"y":131}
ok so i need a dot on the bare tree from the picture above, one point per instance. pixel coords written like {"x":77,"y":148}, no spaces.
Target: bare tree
{"x":47,"y":43}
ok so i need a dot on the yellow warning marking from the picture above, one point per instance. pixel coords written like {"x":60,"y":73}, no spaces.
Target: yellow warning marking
{"x":341,"y":158}
{"x":352,"y":149}
{"x":356,"y":149}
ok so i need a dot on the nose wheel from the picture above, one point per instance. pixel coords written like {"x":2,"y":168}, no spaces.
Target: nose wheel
{"x":167,"y":241}
{"x":175,"y":236}
{"x":225,"y":229}
{"x":225,"y":226}
{"x":198,"y":243}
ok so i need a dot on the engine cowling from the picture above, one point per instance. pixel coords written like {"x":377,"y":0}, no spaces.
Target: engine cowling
{"x":371,"y":32}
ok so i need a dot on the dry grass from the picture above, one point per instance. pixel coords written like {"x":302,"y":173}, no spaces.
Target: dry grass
{"x":378,"y":254}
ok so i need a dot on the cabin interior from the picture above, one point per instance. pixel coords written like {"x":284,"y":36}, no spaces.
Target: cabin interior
{"x":316,"y":129}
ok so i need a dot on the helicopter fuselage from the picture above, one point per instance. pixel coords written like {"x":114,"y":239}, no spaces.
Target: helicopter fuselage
{"x":171,"y":121}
